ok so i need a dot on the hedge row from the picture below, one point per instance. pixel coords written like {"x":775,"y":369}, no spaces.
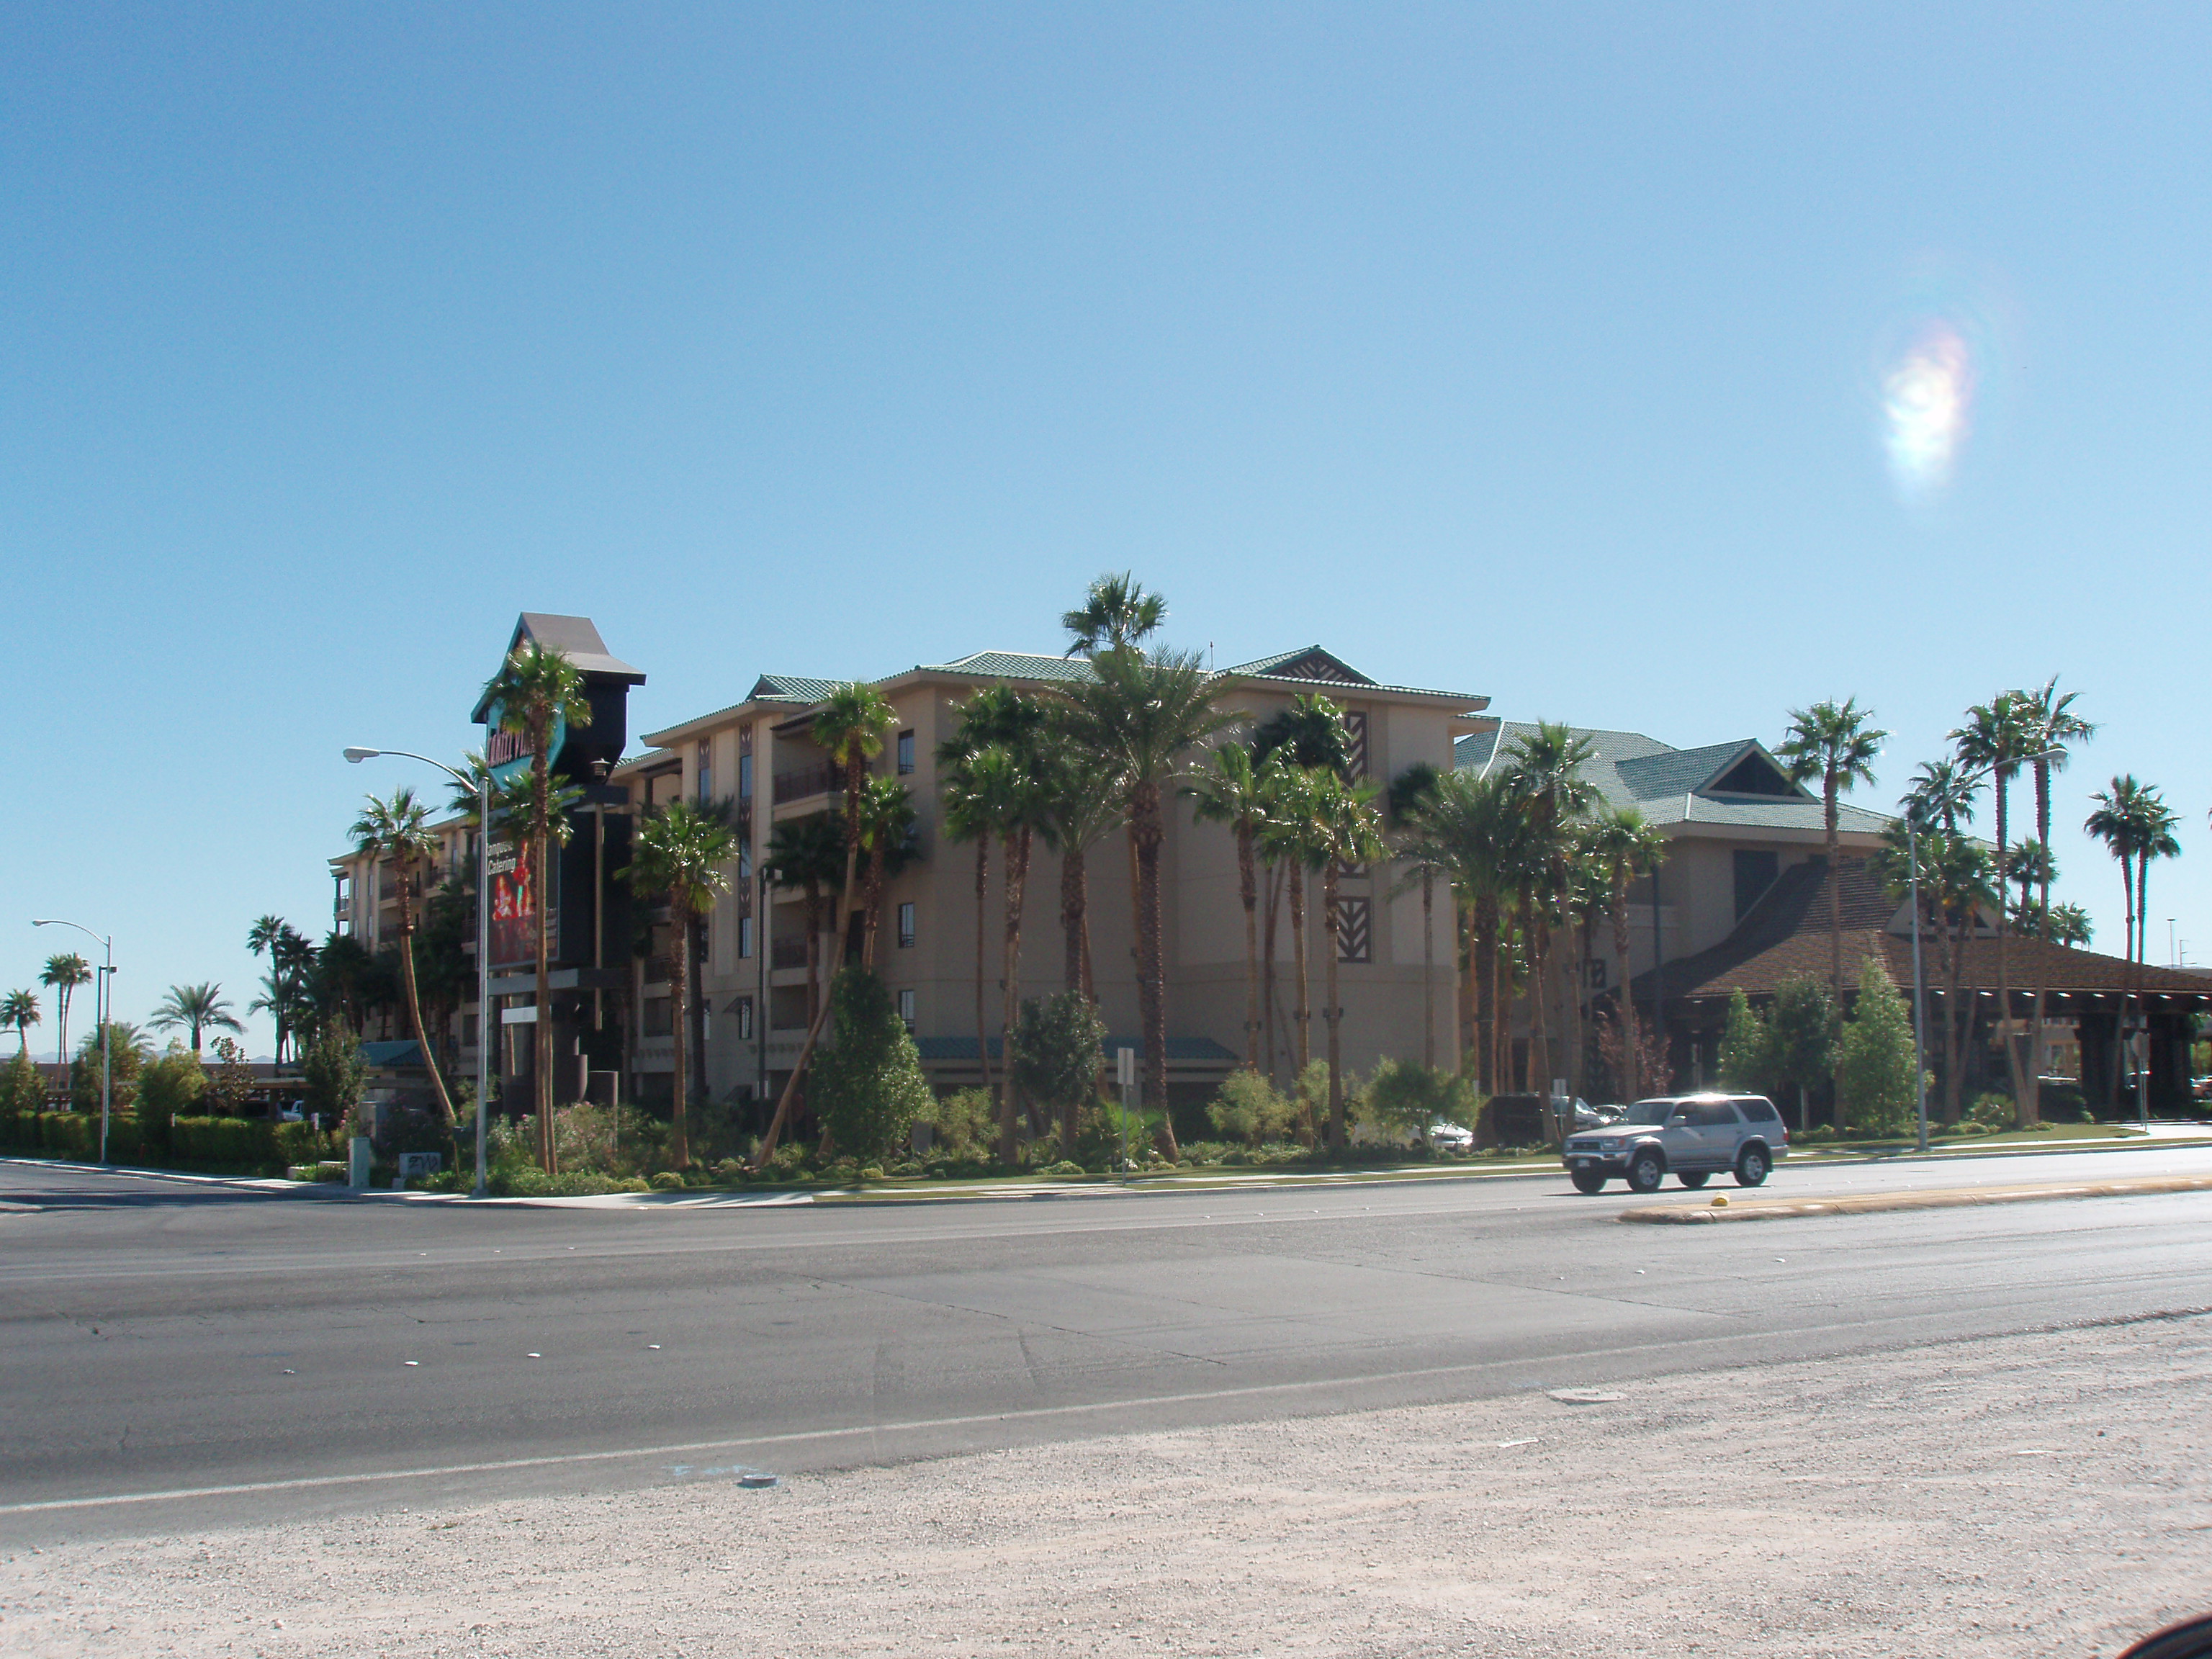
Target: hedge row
{"x":215,"y":1146}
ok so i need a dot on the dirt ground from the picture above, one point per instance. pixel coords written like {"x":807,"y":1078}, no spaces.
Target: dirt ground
{"x":2036,"y":1495}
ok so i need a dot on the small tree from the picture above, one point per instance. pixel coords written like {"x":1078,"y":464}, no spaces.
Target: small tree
{"x":334,"y":1074}
{"x":1746,"y":1048}
{"x":22,"y":1089}
{"x":1803,"y":1024}
{"x":172,"y":1086}
{"x":868,"y":1089}
{"x":126,"y":1055}
{"x":1647,"y":1066}
{"x":1404,"y":1099}
{"x":1057,"y":1052}
{"x":1874,"y":1060}
{"x":231,"y":1080}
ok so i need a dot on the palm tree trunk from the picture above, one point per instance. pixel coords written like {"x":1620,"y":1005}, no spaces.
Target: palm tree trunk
{"x":2005,"y":971}
{"x":1835,"y":930}
{"x":775,"y":1125}
{"x":1072,"y":906}
{"x":1248,"y":889}
{"x":694,"y":1029}
{"x":541,"y":785}
{"x":1145,"y":833}
{"x":1267,"y":963}
{"x":1332,"y":1013}
{"x":872,"y":900}
{"x":1303,"y":1014}
{"x":982,"y":954}
{"x":1428,"y":967}
{"x":1627,"y":1001}
{"x":679,"y":983}
{"x":1017,"y":874}
{"x":814,"y":900}
{"x":1955,"y":1030}
{"x":413,"y":1012}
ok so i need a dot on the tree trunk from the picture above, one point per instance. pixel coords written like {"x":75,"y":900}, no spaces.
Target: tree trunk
{"x":1145,"y":833}
{"x":1332,"y":1013}
{"x":679,"y":983}
{"x":694,"y":1029}
{"x":982,"y":954}
{"x":414,"y":1011}
{"x":1428,"y":969}
{"x":2032,"y":1106}
{"x":2004,"y":969}
{"x":541,"y":785}
{"x":1626,"y":1003}
{"x":1303,"y":1015}
{"x":814,"y":902}
{"x":1072,"y":902}
{"x":775,"y":1125}
{"x":1247,"y":891}
{"x":1267,"y":963}
{"x":1835,"y":933}
{"x":1017,"y":874}
{"x":872,"y":901}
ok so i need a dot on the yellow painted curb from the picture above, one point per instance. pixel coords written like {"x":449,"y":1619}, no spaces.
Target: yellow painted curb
{"x":1941,"y":1198}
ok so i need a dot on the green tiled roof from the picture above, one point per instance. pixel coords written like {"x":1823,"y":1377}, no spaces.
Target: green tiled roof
{"x":791,"y":688}
{"x":1012,"y":665}
{"x":1665,"y":783}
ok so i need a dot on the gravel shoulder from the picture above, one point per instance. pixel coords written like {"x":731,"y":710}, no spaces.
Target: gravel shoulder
{"x":2042,"y":1494}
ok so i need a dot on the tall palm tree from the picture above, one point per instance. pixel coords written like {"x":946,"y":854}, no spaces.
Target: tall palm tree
{"x":808,"y":853}
{"x":973,"y":791}
{"x":2068,"y":925}
{"x":1348,"y":832}
{"x":398,"y":831}
{"x":1410,"y":791}
{"x":1546,"y":765}
{"x":2118,"y":822}
{"x":887,"y":828}
{"x":1626,"y":849}
{"x":1082,"y":805}
{"x":1235,"y":791}
{"x":1835,"y":743}
{"x":1943,"y":793}
{"x":197,"y":1008}
{"x":266,"y":935}
{"x":21,"y":1011}
{"x":1996,"y":739}
{"x":1286,"y":836}
{"x":1143,"y":714}
{"x":1117,"y":613}
{"x":1957,"y":884}
{"x":2049,"y":725}
{"x":64,"y":973}
{"x":536,"y":689}
{"x":2156,"y":840}
{"x":1476,"y":828}
{"x":1307,"y":735}
{"x":682,"y":855}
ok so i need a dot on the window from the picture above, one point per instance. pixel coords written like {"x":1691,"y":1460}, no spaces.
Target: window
{"x":744,"y":936}
{"x":1758,"y":1109}
{"x":905,"y":1009}
{"x":743,"y":1009}
{"x":1355,"y":736}
{"x":656,"y":1016}
{"x":1355,"y":929}
{"x":1754,"y":873}
{"x":704,"y":771}
{"x":745,"y":776}
{"x":905,"y":753}
{"x":1712,"y":1113}
{"x":744,"y":865}
{"x":906,"y":927}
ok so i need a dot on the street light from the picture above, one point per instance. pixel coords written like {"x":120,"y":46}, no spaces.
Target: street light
{"x":103,"y":1008}
{"x":481,"y":785}
{"x":1919,"y":992}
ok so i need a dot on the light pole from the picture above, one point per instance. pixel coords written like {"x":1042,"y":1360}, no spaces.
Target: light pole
{"x":1919,"y":992}
{"x":481,"y":785}
{"x":102,"y":1010}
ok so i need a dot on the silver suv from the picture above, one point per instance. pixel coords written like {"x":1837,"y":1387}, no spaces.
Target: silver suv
{"x":1696,"y":1136}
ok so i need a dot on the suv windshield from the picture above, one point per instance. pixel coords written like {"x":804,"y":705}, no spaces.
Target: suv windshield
{"x":1648,"y":1111}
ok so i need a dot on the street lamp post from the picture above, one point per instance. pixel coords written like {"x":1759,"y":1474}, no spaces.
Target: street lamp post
{"x":481,"y":785}
{"x":103,"y":1005}
{"x":1919,"y":991}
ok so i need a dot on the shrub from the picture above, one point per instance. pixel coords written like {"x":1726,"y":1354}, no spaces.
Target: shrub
{"x":1992,"y":1112}
{"x":667,"y":1182}
{"x":172,"y":1086}
{"x":1404,"y":1097}
{"x":1248,"y":1107}
{"x":868,"y":1088}
{"x":125,"y":1059}
{"x":1747,"y":1056}
{"x":1059,"y":1049}
{"x":1064,"y":1167}
{"x":961,"y":1124}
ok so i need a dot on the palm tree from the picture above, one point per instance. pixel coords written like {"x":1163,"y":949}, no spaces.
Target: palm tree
{"x":398,"y":831}
{"x":1626,"y":849}
{"x":1286,"y":837}
{"x":809,"y":854}
{"x":197,"y":1008}
{"x":1836,"y":743}
{"x":682,"y":854}
{"x":21,"y":1011}
{"x":1943,"y":793}
{"x":2156,"y":840}
{"x":2119,"y":823}
{"x":1307,"y":735}
{"x":266,"y":935}
{"x":2049,"y":725}
{"x":536,"y":689}
{"x":1545,"y":765}
{"x":1081,"y":805}
{"x":973,"y":811}
{"x":1410,"y":791}
{"x":1996,"y":739}
{"x":1236,"y":791}
{"x":64,"y":973}
{"x":1957,"y":884}
{"x":1143,"y":715}
{"x":887,"y":829}
{"x":1348,"y":832}
{"x":2068,"y":925}
{"x":1116,"y":615}
{"x":1474,"y":827}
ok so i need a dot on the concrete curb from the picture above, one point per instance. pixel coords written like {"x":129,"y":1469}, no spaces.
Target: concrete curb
{"x":1941,"y":1198}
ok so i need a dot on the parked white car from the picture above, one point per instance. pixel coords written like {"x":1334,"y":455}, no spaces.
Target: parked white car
{"x":1451,"y":1137}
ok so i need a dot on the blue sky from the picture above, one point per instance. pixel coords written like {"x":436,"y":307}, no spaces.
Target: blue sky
{"x":1537,"y":351}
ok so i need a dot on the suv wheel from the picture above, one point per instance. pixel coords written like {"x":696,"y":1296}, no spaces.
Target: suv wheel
{"x":1645,"y":1172}
{"x":1589,"y":1181}
{"x":1693,"y":1178}
{"x":1751,"y":1166}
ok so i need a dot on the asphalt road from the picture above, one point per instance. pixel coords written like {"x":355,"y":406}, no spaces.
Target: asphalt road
{"x":188,"y":1354}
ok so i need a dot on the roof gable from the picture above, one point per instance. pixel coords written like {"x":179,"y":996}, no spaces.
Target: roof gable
{"x":1308,"y":662}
